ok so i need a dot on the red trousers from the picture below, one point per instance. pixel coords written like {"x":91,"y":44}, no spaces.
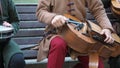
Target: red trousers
{"x":58,"y":51}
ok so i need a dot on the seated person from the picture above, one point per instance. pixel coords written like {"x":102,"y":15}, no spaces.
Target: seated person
{"x":52,"y":13}
{"x":10,"y":53}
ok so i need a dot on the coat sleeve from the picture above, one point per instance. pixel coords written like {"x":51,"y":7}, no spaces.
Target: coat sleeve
{"x":13,"y":16}
{"x":97,"y":10}
{"x":43,"y":11}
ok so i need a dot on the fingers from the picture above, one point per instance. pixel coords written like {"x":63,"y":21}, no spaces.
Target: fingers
{"x":5,"y":23}
{"x":58,"y":21}
{"x":109,"y":39}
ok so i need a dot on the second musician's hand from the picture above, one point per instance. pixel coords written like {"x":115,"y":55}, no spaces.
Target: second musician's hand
{"x":5,"y":23}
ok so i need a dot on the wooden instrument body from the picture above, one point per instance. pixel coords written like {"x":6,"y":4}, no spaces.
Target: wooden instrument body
{"x":86,"y":44}
{"x":72,"y":37}
{"x":106,"y":50}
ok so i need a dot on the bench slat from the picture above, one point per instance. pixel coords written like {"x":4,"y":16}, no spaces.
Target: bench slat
{"x":30,"y":33}
{"x":27,"y":40}
{"x":30,"y":54}
{"x":27,"y":17}
{"x":26,"y":47}
{"x":26,"y":9}
{"x":31,"y":24}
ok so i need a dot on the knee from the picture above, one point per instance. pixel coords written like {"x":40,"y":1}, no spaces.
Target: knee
{"x":17,"y":61}
{"x":58,"y":43}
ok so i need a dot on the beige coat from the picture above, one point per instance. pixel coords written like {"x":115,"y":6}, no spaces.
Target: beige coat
{"x":47,"y":9}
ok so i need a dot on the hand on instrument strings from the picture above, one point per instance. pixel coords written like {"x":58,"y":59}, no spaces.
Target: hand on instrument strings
{"x":58,"y":20}
{"x":109,"y":39}
{"x":5,"y":23}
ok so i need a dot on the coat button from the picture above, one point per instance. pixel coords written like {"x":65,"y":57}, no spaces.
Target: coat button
{"x":71,"y":10}
{"x":70,"y":3}
{"x":73,"y":14}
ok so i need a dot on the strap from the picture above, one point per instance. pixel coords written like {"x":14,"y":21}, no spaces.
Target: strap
{"x":93,"y":60}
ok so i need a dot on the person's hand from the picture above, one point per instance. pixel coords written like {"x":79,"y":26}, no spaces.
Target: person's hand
{"x":109,"y":39}
{"x":5,"y":23}
{"x":59,"y":20}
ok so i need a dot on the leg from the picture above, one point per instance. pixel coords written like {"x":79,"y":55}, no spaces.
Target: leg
{"x":17,"y":61}
{"x":1,"y":56}
{"x":1,"y":60}
{"x":10,"y":50}
{"x":84,"y":62}
{"x":114,"y":62}
{"x":57,"y":53}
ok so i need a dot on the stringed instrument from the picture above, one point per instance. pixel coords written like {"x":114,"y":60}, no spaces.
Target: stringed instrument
{"x":115,"y":7}
{"x":81,"y":38}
